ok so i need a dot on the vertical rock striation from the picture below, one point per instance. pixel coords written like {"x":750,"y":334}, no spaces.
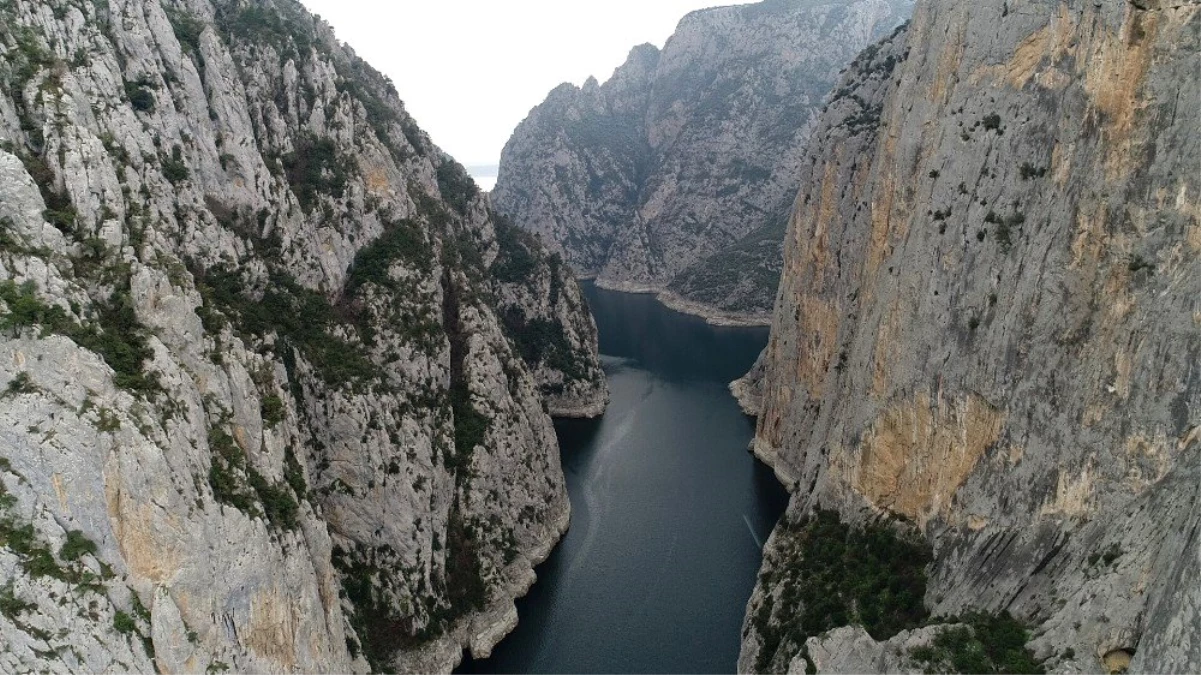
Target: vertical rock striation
{"x":989,"y":322}
{"x":263,"y":400}
{"x":676,"y":175}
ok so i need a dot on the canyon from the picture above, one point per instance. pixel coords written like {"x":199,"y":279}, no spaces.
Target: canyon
{"x":677,"y":174}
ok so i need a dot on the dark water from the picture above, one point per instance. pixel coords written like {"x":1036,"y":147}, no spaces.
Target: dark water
{"x":669,"y":509}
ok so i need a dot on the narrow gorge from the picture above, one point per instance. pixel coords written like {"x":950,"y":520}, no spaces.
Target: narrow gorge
{"x":282,"y":390}
{"x":676,"y":175}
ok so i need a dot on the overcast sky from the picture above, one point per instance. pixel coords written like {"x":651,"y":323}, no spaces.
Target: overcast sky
{"x":470,"y":70}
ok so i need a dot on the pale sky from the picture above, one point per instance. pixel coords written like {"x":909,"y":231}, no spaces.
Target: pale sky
{"x":470,"y":70}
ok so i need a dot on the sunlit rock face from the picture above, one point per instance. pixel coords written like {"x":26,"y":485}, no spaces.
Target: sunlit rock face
{"x":267,"y":398}
{"x":988,"y":323}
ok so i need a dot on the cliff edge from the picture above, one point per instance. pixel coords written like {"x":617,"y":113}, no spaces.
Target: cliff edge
{"x":988,"y":331}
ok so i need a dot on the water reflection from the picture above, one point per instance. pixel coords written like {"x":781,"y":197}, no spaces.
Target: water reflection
{"x":669,"y":510}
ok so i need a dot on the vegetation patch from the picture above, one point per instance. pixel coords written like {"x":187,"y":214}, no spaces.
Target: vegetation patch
{"x":116,"y":334}
{"x":986,"y":643}
{"x":140,"y":95}
{"x":302,"y":318}
{"x":21,"y":384}
{"x":227,"y":464}
{"x":316,"y":168}
{"x":827,"y":574}
{"x":457,"y":188}
{"x":542,"y":342}
{"x":187,"y":29}
{"x":466,"y":588}
{"x":471,"y":427}
{"x":235,"y":482}
{"x":401,"y":240}
{"x":266,"y":26}
{"x":175,"y":169}
{"x":381,"y":627}
{"x":272,"y":409}
{"x":60,"y":211}
{"x":516,"y":261}
{"x":36,"y":558}
{"x":76,"y":546}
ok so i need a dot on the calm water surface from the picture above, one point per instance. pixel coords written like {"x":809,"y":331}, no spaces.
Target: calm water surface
{"x":669,"y":509}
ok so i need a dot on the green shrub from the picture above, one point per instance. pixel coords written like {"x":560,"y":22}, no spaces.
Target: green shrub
{"x":140,"y":97}
{"x":76,"y":546}
{"x":316,"y":168}
{"x":380,"y":628}
{"x":1138,"y":263}
{"x":267,"y":26}
{"x":279,"y":505}
{"x":124,"y":623}
{"x":832,"y":574}
{"x":457,"y":188}
{"x":225,"y":473}
{"x":294,"y":474}
{"x":542,"y":342}
{"x":465,"y":585}
{"x":1028,"y":171}
{"x":992,"y":122}
{"x":187,"y":29}
{"x":516,"y":260}
{"x":21,"y":384}
{"x":60,"y":212}
{"x":272,"y":409}
{"x":10,"y":605}
{"x":116,"y":336}
{"x":471,"y":426}
{"x":987,"y":643}
{"x":174,"y":167}
{"x":303,"y":319}
{"x":401,"y":240}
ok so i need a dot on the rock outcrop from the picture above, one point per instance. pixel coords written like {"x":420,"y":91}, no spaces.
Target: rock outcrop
{"x":676,"y":175}
{"x":989,"y":324}
{"x":263,"y":400}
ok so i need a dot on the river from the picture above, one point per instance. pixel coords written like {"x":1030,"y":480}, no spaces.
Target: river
{"x":669,"y":508}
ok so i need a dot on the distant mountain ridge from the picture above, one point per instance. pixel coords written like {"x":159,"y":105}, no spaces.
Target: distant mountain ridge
{"x":678,"y":173}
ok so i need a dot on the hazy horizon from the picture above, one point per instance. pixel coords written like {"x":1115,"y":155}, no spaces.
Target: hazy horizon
{"x":469,"y":71}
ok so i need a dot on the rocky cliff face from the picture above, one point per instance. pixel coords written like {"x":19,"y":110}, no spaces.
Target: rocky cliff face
{"x":263,"y":401}
{"x":989,"y":324}
{"x":677,"y":174}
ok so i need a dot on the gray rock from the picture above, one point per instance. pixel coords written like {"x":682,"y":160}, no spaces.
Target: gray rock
{"x":259,"y":406}
{"x":988,"y":320}
{"x":676,"y":175}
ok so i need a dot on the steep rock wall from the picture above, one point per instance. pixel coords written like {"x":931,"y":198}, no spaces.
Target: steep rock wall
{"x":260,"y":410}
{"x":989,"y":320}
{"x":676,"y":174}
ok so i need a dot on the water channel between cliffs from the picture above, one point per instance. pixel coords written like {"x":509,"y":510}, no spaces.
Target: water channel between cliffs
{"x":669,"y":509}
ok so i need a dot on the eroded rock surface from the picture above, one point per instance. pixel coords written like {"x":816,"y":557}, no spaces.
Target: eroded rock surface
{"x":989,"y":320}
{"x":263,"y":400}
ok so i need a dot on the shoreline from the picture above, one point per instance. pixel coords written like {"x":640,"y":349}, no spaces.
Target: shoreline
{"x":578,"y":410}
{"x":674,"y":301}
{"x":478,"y":633}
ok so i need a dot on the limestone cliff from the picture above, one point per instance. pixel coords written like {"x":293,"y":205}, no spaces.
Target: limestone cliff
{"x":989,"y":324}
{"x":677,"y":174}
{"x":263,"y":405}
